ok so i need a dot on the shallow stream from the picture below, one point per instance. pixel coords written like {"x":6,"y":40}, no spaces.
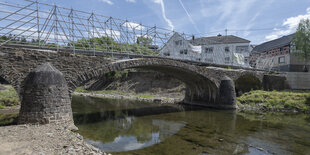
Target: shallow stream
{"x":132,"y":127}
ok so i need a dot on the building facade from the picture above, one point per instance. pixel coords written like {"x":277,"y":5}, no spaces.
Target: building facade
{"x":229,"y":50}
{"x":277,"y":55}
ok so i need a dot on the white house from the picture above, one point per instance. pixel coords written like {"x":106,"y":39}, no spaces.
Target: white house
{"x":178,"y":47}
{"x":218,"y":49}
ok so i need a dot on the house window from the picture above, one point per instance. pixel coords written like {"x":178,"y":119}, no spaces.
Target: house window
{"x":209,"y":50}
{"x":183,"y":51}
{"x":240,"y":49}
{"x":227,"y":59}
{"x":178,"y":42}
{"x":227,"y":49}
{"x":166,"y":54}
{"x":281,"y":59}
{"x":281,"y":49}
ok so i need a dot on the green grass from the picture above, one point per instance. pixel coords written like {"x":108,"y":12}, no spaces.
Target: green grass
{"x":8,"y":97}
{"x":145,"y":96}
{"x":277,"y":99}
{"x":81,"y":90}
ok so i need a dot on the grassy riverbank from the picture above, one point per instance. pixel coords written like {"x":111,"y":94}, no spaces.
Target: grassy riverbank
{"x":8,"y":97}
{"x":118,"y":92}
{"x":275,"y":101}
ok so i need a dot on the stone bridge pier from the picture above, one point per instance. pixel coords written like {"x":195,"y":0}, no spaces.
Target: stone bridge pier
{"x":46,"y":97}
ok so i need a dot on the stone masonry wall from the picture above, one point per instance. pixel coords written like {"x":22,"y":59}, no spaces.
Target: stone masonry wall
{"x":15,"y":64}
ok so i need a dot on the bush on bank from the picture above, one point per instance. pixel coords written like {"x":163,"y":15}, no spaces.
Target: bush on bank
{"x":276,"y":100}
{"x":8,"y":97}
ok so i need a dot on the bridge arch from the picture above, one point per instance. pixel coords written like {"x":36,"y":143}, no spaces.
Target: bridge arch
{"x":12,"y":77}
{"x":247,"y":82}
{"x":10,"y":80}
{"x":201,"y":88}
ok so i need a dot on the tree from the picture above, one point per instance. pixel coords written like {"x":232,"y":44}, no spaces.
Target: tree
{"x":144,"y":41}
{"x":302,"y":42}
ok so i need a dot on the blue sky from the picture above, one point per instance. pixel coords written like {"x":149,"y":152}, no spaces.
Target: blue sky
{"x":255,"y":20}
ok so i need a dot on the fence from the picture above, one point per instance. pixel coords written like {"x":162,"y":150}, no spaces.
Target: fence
{"x":36,"y":24}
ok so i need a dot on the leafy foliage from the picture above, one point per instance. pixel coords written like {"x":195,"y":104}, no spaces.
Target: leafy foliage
{"x":302,"y":41}
{"x":104,"y":43}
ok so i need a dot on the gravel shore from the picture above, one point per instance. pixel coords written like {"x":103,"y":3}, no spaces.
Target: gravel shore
{"x":43,"y":139}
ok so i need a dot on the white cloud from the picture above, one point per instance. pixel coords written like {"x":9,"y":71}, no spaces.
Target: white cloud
{"x":189,"y":16}
{"x":131,"y":1}
{"x":271,"y":37}
{"x":109,"y":33}
{"x":291,"y":23}
{"x":163,"y":12}
{"x":133,"y":26}
{"x":107,"y":1}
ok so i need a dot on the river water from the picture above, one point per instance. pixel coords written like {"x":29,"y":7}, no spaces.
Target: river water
{"x":133,"y":127}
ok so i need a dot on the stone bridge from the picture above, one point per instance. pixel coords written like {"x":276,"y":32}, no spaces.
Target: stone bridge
{"x":206,"y":86}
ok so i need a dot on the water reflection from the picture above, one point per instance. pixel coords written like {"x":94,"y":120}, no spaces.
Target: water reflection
{"x":117,"y":128}
{"x":133,"y":140}
{"x":134,"y":128}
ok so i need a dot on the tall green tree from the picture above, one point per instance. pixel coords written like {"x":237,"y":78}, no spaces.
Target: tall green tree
{"x":302,"y":42}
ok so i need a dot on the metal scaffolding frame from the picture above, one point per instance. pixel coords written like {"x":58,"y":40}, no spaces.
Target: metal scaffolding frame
{"x":50,"y":26}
